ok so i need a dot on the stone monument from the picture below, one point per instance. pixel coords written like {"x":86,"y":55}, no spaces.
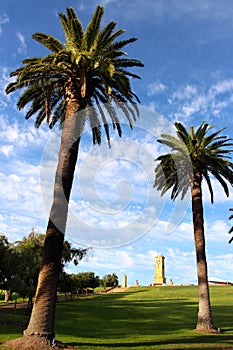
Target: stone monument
{"x":124,"y":281}
{"x":159,"y":277}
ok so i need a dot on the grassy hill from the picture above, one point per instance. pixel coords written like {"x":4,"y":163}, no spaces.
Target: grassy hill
{"x":138,"y":318}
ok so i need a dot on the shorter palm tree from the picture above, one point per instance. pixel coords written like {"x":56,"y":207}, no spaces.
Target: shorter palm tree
{"x":196,"y":156}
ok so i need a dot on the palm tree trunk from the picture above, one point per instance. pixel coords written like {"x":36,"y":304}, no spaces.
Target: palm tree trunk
{"x":204,"y":322}
{"x":42,"y":318}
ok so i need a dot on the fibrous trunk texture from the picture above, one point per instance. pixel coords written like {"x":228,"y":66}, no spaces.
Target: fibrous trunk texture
{"x":204,"y":322}
{"x":41,"y":321}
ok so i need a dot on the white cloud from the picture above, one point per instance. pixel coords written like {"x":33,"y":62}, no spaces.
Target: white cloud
{"x":22,"y":186}
{"x":137,"y":266}
{"x":191,"y":100}
{"x":22,"y":134}
{"x":89,"y":5}
{"x":222,"y":87}
{"x":22,"y":47}
{"x":81,"y":7}
{"x":3,"y":20}
{"x":4,"y":81}
{"x":178,"y":10}
{"x":106,"y":2}
{"x":156,"y":88}
{"x":7,"y":149}
{"x":184,"y":93}
{"x":217,"y":231}
{"x":20,"y":193}
{"x":189,"y":103}
{"x":182,"y":231}
{"x":20,"y":200}
{"x":218,"y":266}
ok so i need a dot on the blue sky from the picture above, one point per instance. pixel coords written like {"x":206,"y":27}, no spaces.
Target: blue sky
{"x":187,"y":49}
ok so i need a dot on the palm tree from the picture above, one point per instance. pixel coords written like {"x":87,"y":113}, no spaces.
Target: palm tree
{"x":196,"y":156}
{"x":70,"y":85}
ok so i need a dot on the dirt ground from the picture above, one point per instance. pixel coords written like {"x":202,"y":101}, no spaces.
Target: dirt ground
{"x":35,"y":343}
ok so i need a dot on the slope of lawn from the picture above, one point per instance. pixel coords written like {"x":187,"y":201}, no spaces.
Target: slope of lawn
{"x":138,"y":318}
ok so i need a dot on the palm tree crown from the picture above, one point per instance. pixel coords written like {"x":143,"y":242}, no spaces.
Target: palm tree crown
{"x":194,"y":155}
{"x":90,"y":67}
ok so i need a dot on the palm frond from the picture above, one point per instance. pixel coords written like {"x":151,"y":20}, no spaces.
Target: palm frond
{"x":128,"y":62}
{"x":202,"y":130}
{"x":95,"y":125}
{"x":75,"y":26}
{"x":214,"y":136}
{"x":105,"y":123}
{"x":40,"y":118}
{"x":104,"y":37}
{"x":181,"y":131}
{"x":174,"y":143}
{"x":48,"y":41}
{"x":208,"y":181}
{"x":92,"y":30}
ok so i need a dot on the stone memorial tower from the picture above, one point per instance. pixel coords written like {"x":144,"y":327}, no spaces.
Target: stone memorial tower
{"x":159,"y":277}
{"x":124,"y":281}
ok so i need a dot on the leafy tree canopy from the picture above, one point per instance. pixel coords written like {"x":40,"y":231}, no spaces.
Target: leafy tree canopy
{"x":20,"y":262}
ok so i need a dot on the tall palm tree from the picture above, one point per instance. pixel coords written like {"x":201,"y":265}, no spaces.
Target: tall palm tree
{"x":195,"y":156}
{"x":70,"y":85}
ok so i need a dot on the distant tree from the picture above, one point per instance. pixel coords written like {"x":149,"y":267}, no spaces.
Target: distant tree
{"x":29,"y":251}
{"x":66,"y":283}
{"x":21,"y":263}
{"x":195,"y":156}
{"x":84,"y":280}
{"x":110,"y":280}
{"x":4,"y":247}
{"x":9,"y":268}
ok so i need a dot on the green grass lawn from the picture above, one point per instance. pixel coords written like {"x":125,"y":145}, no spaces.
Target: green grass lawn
{"x":139,"y":318}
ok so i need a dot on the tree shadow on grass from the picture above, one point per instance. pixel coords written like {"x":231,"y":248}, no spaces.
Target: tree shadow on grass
{"x":119,"y":320}
{"x":127,"y":318}
{"x":175,"y":344}
{"x":13,"y":321}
